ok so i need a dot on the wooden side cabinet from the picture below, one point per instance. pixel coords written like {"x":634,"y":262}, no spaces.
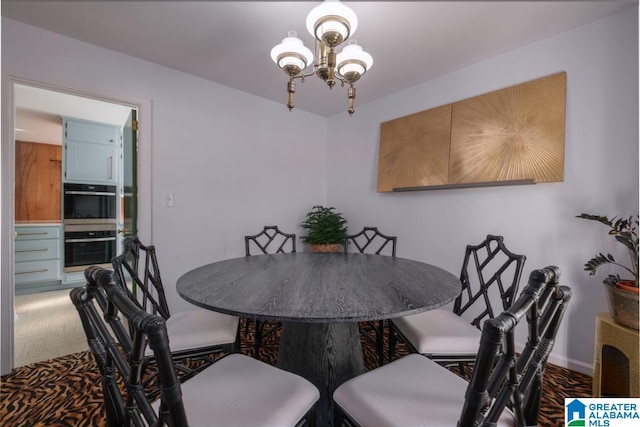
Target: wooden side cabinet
{"x":616,"y":360}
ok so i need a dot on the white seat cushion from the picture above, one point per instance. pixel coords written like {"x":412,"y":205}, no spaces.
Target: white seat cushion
{"x":409,"y":392}
{"x":239,"y":391}
{"x":440,"y":332}
{"x":199,"y":328}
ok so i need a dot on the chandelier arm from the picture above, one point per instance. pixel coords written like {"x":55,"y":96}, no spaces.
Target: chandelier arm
{"x":303,"y":75}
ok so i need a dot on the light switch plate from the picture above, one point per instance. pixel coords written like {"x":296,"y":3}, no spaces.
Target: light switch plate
{"x":169,"y":199}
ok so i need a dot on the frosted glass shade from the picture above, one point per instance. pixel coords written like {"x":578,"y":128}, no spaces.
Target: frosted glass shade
{"x":291,"y":54}
{"x":331,"y":8}
{"x":353,"y":59}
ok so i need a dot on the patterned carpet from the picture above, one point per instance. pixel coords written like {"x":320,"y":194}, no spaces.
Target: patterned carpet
{"x":66,"y":391}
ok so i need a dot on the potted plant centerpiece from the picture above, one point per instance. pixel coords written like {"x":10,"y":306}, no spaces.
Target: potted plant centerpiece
{"x":622,"y":292}
{"x":326,"y":229}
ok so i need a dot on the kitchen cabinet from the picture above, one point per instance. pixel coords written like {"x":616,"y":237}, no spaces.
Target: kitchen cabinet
{"x":90,"y":151}
{"x":37,"y":260}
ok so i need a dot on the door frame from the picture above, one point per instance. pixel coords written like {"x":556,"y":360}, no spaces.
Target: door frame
{"x":7,"y":189}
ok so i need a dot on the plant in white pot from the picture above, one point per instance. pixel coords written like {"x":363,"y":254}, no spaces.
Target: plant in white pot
{"x":326,"y":229}
{"x":622,"y":291}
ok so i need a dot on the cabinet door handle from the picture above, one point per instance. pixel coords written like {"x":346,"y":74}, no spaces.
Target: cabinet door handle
{"x":34,"y":271}
{"x":33,"y":250}
{"x":40,"y":233}
{"x":110,"y":167}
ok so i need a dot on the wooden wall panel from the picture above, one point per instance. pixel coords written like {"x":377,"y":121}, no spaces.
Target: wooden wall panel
{"x":38,"y":182}
{"x":512,"y":135}
{"x":516,"y":133}
{"x":414,"y":150}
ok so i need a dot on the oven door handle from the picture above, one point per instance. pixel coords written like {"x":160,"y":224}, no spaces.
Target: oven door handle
{"x":89,"y":193}
{"x":98,"y":239}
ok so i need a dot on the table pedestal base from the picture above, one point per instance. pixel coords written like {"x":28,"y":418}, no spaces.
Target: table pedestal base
{"x":326,"y":354}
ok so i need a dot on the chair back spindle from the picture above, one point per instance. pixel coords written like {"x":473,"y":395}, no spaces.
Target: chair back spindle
{"x":502,"y":378}
{"x":371,"y":240}
{"x":122,"y":359}
{"x":198,"y":335}
{"x":269,"y":241}
{"x":136,"y":268}
{"x":489,"y":272}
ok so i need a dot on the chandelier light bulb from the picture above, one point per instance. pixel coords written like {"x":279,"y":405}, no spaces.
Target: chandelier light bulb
{"x":332,"y":22}
{"x":291,"y":55}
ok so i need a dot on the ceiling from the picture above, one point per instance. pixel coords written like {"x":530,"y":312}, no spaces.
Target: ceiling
{"x":229,"y":42}
{"x":39,"y":112}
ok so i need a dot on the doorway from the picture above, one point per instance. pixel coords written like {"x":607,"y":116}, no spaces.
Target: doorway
{"x":46,"y":325}
{"x":16,"y":105}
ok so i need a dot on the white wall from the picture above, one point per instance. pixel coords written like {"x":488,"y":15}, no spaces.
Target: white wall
{"x":235,"y":162}
{"x":601,"y":169}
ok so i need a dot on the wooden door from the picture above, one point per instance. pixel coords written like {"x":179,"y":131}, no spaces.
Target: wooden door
{"x":129,"y":200}
{"x":38,"y":182}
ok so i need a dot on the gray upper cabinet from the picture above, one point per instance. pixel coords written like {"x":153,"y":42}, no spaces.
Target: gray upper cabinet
{"x":90,"y":151}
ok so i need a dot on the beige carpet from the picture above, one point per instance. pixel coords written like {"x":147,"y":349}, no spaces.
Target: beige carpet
{"x":46,"y":326}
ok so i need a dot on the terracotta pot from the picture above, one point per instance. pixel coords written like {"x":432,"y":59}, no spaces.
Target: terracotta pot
{"x":623,"y":304}
{"x":333,"y":247}
{"x":628,"y":285}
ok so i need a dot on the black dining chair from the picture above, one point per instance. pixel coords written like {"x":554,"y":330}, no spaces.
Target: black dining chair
{"x":505,"y":388}
{"x":236,"y":390}
{"x":490,"y":272}
{"x":371,"y":240}
{"x":196,"y":333}
{"x":271,"y":240}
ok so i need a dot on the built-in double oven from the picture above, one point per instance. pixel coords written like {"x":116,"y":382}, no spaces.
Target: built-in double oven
{"x":90,"y":225}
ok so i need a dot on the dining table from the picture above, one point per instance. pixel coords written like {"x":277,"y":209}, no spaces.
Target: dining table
{"x":319,"y":298}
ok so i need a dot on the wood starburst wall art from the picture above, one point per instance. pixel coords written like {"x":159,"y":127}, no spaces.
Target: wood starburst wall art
{"x":415,"y":151}
{"x":512,"y":135}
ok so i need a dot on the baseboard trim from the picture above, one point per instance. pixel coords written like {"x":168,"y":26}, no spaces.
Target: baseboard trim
{"x":564,"y":362}
{"x":574,"y":365}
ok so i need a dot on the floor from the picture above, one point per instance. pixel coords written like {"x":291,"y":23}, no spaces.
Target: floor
{"x":64,"y":392}
{"x":46,"y":326}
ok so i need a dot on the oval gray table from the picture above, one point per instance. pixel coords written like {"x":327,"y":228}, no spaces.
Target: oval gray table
{"x":320,"y":298}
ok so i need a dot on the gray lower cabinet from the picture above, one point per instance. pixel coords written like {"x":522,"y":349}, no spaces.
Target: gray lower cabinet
{"x":37,"y":258}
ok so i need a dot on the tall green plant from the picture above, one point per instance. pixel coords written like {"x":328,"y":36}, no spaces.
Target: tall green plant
{"x":624,"y":230}
{"x":324,"y":226}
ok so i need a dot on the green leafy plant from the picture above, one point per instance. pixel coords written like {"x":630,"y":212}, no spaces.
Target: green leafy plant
{"x":624,"y":230}
{"x":324,"y":226}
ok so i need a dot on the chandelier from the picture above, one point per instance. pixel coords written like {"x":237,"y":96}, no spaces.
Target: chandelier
{"x":331,"y":24}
